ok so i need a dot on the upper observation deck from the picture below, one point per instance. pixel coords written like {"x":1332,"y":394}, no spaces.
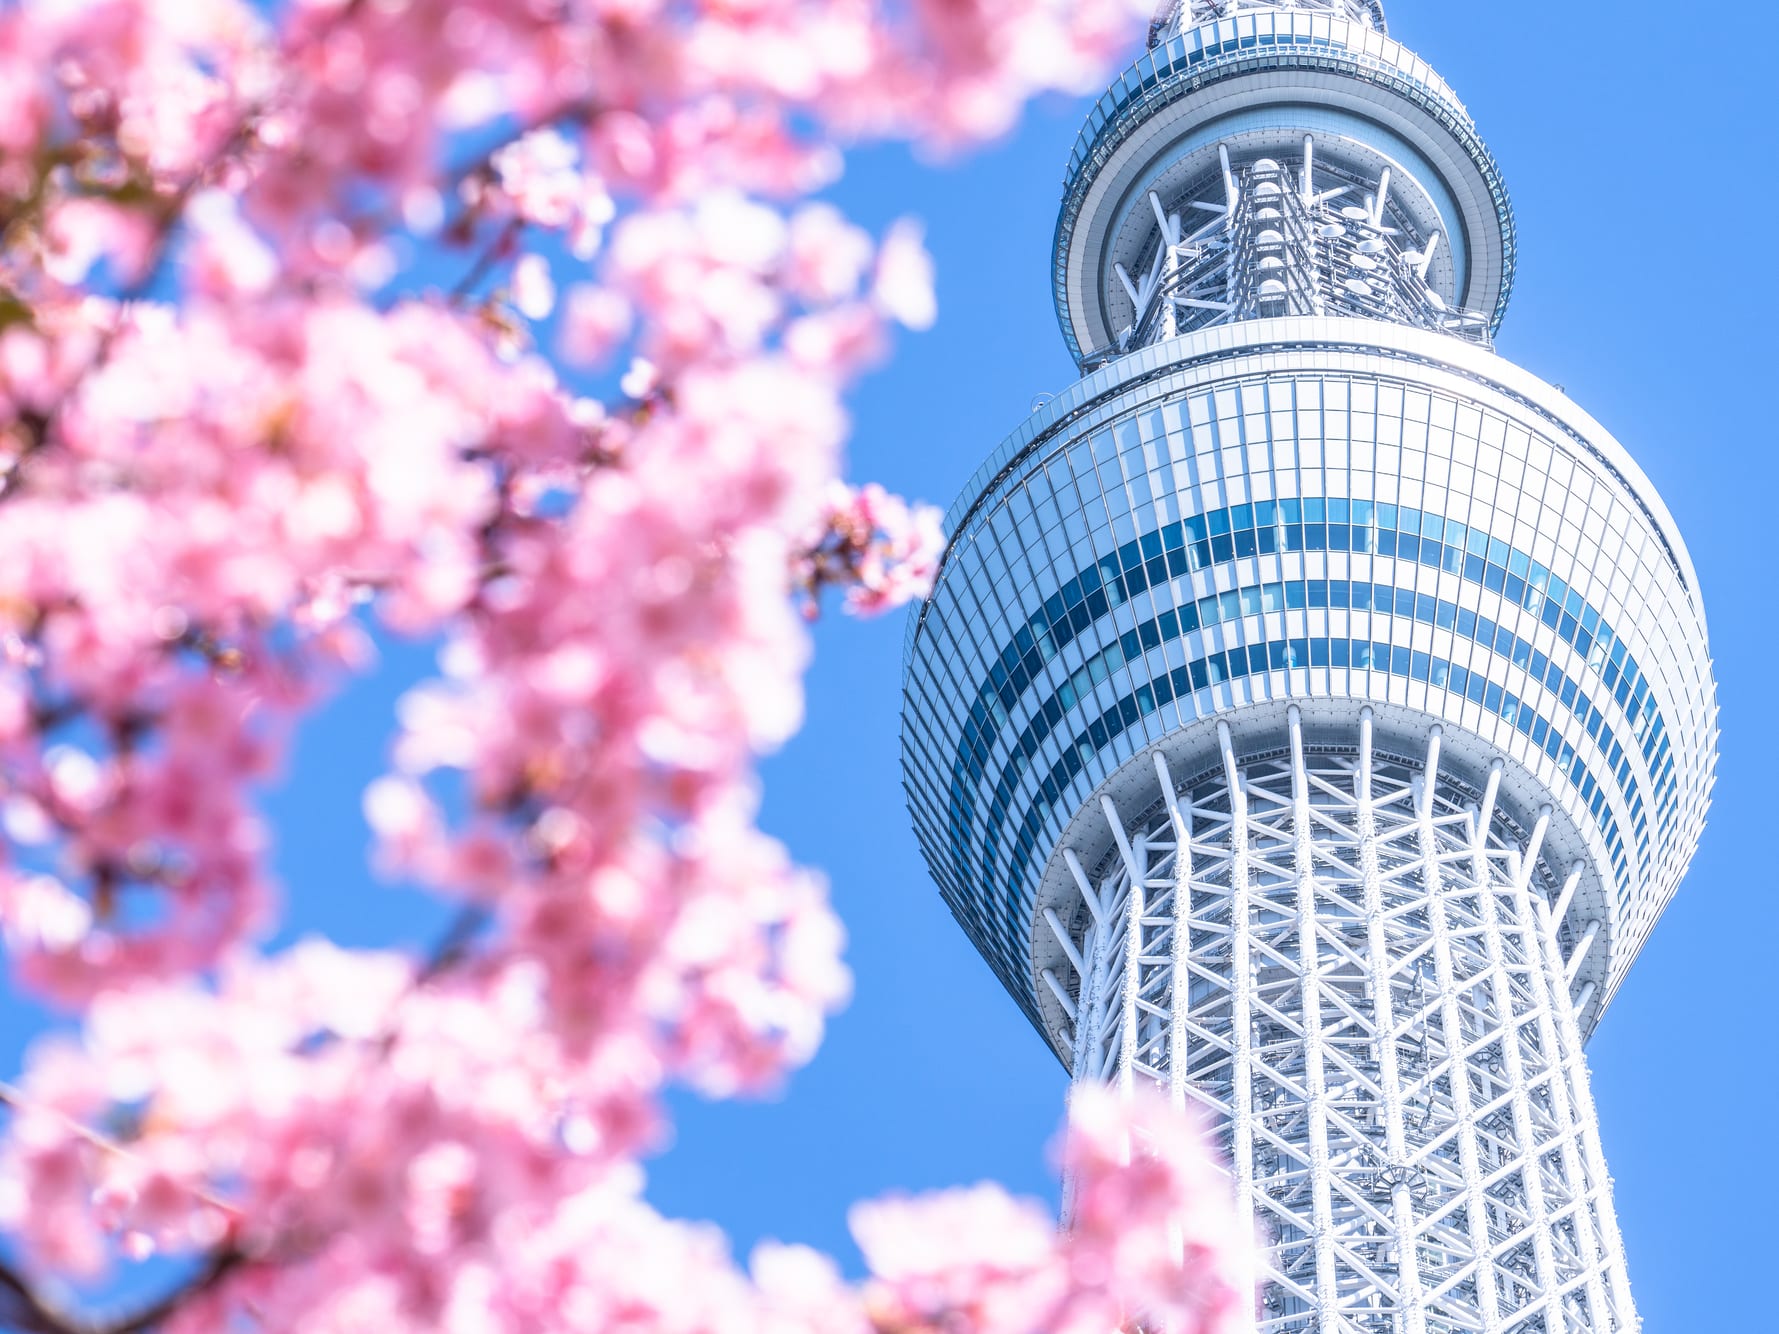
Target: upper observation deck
{"x":1317,"y":88}
{"x":1322,"y":512}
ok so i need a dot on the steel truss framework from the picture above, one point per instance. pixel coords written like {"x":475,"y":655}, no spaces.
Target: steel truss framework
{"x":1286,"y":238}
{"x":1350,"y":957}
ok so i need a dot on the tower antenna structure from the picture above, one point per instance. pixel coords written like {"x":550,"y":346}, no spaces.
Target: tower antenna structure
{"x":1313,"y":712}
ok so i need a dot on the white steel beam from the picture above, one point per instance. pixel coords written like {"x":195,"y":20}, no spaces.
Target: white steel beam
{"x":1383,"y":197}
{"x":1169,"y":223}
{"x":1091,"y":899}
{"x":1585,"y":998}
{"x":1448,"y":950}
{"x":1427,"y":253}
{"x":1315,"y":1044}
{"x":1241,"y":977}
{"x":1062,"y":938}
{"x":1589,"y":935}
{"x":1062,"y":996}
{"x":1561,"y":910}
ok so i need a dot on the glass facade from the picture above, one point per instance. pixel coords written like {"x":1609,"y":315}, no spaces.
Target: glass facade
{"x":1400,"y":659}
{"x":1316,"y":524}
{"x":1187,"y":538}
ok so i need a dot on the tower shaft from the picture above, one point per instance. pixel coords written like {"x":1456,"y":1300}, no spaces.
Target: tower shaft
{"x":1346,"y":956}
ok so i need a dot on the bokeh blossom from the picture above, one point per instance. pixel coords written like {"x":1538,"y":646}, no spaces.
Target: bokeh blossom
{"x":508,"y":326}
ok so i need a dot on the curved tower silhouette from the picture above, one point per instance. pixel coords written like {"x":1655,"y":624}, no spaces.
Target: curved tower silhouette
{"x":1313,"y":712}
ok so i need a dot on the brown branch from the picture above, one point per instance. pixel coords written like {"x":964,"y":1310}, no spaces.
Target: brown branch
{"x":497,"y":249}
{"x":454,"y":946}
{"x":220,"y":1265}
{"x":482,"y":164}
{"x":23,"y":1310}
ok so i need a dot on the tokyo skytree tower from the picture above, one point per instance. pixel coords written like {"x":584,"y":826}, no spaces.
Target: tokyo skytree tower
{"x":1313,"y":712}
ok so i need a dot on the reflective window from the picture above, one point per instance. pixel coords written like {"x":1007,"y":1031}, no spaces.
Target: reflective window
{"x":1045,"y":659}
{"x":1276,"y":655}
{"x":1406,"y":532}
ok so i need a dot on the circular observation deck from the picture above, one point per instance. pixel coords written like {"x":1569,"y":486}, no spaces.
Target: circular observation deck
{"x":1329,"y":513}
{"x":1173,"y":15}
{"x":1255,"y":84}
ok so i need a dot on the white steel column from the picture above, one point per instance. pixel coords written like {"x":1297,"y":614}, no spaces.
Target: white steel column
{"x":1180,"y":980}
{"x":1136,"y":868}
{"x":1576,"y":1173}
{"x":1451,"y":1021}
{"x":1386,"y":1029}
{"x":1309,"y":961}
{"x":1241,"y":984}
{"x":1596,"y":1191}
{"x":1529,"y":1128}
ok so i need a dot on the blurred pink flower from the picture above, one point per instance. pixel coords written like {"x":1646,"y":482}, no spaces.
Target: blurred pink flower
{"x":219,"y":474}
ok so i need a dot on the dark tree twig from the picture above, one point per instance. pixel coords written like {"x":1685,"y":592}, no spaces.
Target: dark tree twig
{"x":24,"y":1311}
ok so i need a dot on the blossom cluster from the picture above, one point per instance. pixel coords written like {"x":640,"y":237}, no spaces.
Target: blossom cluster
{"x":1153,"y":1240}
{"x":507,"y":326}
{"x":881,"y":549}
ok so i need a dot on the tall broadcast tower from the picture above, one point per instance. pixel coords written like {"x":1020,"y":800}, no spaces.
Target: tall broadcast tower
{"x":1313,"y":713}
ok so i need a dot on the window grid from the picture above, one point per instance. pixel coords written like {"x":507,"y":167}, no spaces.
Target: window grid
{"x":1311,"y":524}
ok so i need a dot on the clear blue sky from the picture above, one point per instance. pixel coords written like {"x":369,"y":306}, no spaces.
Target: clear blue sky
{"x":1637,"y":147}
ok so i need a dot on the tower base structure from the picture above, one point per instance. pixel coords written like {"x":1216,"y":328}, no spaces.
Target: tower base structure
{"x":1332,"y":936}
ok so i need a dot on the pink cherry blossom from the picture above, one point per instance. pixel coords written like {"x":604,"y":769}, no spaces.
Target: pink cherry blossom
{"x":1153,"y":1242}
{"x":540,"y":179}
{"x":1153,"y":1217}
{"x":534,"y":289}
{"x":883,"y":549}
{"x":829,"y":257}
{"x":903,"y":287}
{"x":82,"y":232}
{"x":274,"y":384}
{"x":595,"y":321}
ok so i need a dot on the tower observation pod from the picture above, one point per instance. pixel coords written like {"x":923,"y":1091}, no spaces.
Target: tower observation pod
{"x":1313,"y":713}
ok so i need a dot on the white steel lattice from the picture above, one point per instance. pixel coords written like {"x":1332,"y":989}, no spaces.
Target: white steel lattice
{"x":1292,"y":236}
{"x":1350,"y":958}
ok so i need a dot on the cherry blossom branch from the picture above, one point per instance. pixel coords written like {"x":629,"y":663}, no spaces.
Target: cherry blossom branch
{"x":454,"y":946}
{"x":872,"y":544}
{"x":211,"y":494}
{"x":23,"y":1310}
{"x":498,"y":247}
{"x":17,"y":1099}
